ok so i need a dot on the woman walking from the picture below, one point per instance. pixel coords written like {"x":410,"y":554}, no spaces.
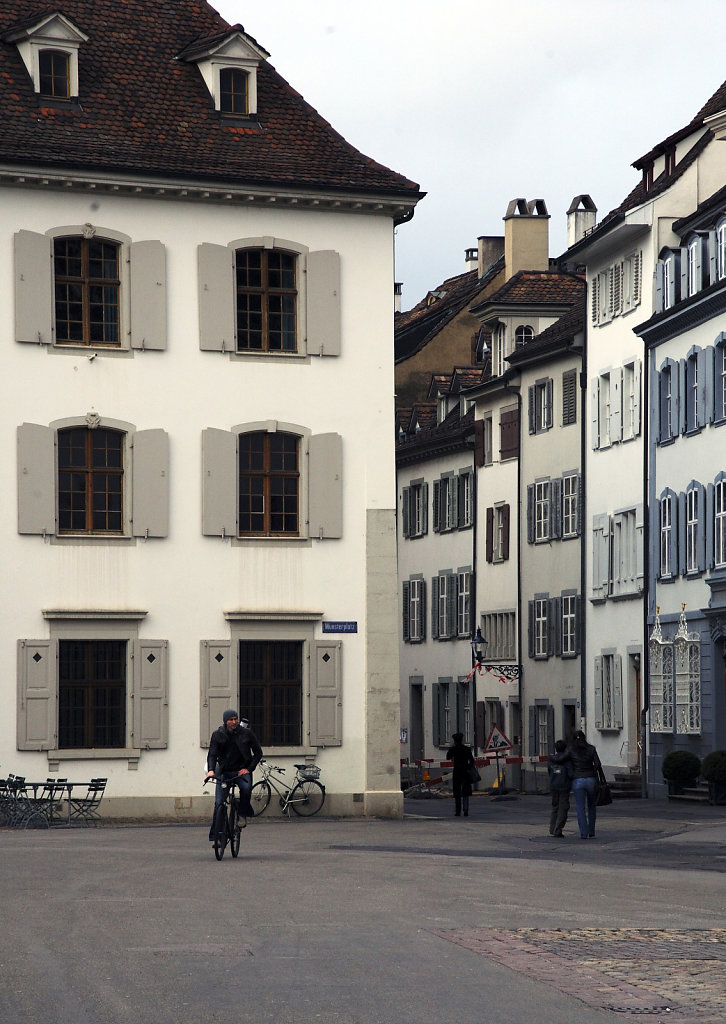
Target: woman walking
{"x":586,"y":770}
{"x":463,"y":759}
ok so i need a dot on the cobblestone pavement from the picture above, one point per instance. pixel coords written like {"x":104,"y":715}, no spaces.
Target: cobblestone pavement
{"x":678,"y":976}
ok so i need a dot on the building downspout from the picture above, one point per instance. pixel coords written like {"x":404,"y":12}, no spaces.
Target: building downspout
{"x":583,"y":533}
{"x":644,"y":658}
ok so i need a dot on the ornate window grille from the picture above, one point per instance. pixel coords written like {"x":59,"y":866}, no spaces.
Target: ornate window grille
{"x":687,"y":652}
{"x":661,"y":679}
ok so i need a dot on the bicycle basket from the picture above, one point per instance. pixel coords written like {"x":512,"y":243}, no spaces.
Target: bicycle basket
{"x":309,"y":772}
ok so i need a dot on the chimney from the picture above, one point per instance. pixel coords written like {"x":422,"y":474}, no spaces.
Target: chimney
{"x":397,"y":292}
{"x":471,"y":259}
{"x":526,"y":236}
{"x":581,"y":218}
{"x":489,"y":249}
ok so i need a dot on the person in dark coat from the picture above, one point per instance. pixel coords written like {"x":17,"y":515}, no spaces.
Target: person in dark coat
{"x":586,"y":770}
{"x":234,"y":753}
{"x":463,"y":760}
{"x":559,"y":769}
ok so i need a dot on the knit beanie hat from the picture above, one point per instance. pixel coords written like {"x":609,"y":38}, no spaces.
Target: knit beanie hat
{"x":229,"y":713}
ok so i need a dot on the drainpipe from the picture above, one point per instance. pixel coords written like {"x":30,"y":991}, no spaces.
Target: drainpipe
{"x":516,"y":392}
{"x":472,"y":594}
{"x":583,"y":532}
{"x":644,"y":658}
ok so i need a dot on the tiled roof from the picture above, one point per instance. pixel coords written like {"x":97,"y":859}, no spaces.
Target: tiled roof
{"x":537,"y":286}
{"x":466,"y":377}
{"x":143,"y":110}
{"x":414,"y":328}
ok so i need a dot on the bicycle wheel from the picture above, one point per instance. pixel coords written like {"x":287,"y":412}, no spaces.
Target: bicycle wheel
{"x":307,"y":798}
{"x":220,"y":831}
{"x":260,"y":797}
{"x":234,"y":829}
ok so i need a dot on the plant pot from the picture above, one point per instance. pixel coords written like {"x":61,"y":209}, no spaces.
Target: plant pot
{"x":679,"y":788}
{"x":717,"y":793}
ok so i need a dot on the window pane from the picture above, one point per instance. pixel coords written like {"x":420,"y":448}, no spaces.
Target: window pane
{"x":92,"y":693}
{"x":271,"y":690}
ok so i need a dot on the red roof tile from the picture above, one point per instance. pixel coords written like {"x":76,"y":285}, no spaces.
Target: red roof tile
{"x":142,"y":110}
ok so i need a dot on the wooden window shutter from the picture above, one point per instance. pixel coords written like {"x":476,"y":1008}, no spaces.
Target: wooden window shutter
{"x":220,"y":687}
{"x":219,"y":483}
{"x":595,"y":416}
{"x":36,"y":479}
{"x":148,"y":295}
{"x":435,"y":608}
{"x":490,"y":534}
{"x":640,"y":547}
{"x":594,"y":298}
{"x":479,"y":452}
{"x":710,"y":525}
{"x":33,"y":288}
{"x":421,"y":609}
{"x":637,"y":276}
{"x":150,"y":695}
{"x":618,"y":691}
{"x":682,"y":396}
{"x":598,"y":693}
{"x":554,"y":626}
{"x":323,"y":303}
{"x":325,"y":486}
{"x":37,"y":695}
{"x":578,"y":625}
{"x":530,"y":513}
{"x":659,"y":277}
{"x":505,"y":532}
{"x":406,"y":610}
{"x":616,"y":413}
{"x":530,"y":638}
{"x":701,"y":540}
{"x":532,"y":408}
{"x":150,"y":483}
{"x":405,"y":512}
{"x":217,"y":313}
{"x":532,"y":716}
{"x":555,"y":509}
{"x":703,"y":376}
{"x":451,"y":604}
{"x":636,"y":398}
{"x":549,"y":402}
{"x":436,"y":506}
{"x":436,"y":716}
{"x":424,"y":509}
{"x":326,"y":704}
{"x":550,"y":728}
{"x":680,"y":499}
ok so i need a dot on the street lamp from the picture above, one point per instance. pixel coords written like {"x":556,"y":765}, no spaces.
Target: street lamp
{"x":478,"y":646}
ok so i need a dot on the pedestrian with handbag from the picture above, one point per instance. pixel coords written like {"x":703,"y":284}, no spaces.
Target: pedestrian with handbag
{"x":559,"y":770}
{"x":463,"y":760}
{"x":586,"y":771}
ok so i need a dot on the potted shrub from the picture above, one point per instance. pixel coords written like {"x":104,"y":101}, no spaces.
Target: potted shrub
{"x":713,"y":770}
{"x":680,"y":769}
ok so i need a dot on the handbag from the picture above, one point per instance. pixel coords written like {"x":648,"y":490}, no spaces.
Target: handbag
{"x":604,"y":795}
{"x":473,"y":772}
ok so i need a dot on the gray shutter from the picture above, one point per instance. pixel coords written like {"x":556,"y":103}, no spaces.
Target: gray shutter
{"x":37,"y":695}
{"x":710,"y":500}
{"x":326,"y":703}
{"x":595,"y":413}
{"x":460,"y":502}
{"x":709,"y":386}
{"x":424,"y":509}
{"x":701,"y":388}
{"x":150,"y":695}
{"x":712,"y":264}
{"x":421,"y":610}
{"x":601,"y":556}
{"x":436,"y":506}
{"x":436,"y":721}
{"x":489,"y":535}
{"x":616,"y":407}
{"x":578,"y":625}
{"x":532,"y":716}
{"x":702,"y":531}
{"x":216,"y":298}
{"x":150,"y":487}
{"x":683,"y":283}
{"x":325,"y":486}
{"x":555,"y":509}
{"x":554,"y":626}
{"x":640,"y":547}
{"x":505,"y":532}
{"x":530,"y":627}
{"x":530,"y":513}
{"x":675,"y":525}
{"x":598,"y":693}
{"x":550,"y":728}
{"x":636,"y":398}
{"x":36,"y":479}
{"x":663,"y":403}
{"x":148,"y":295}
{"x":33,"y":288}
{"x":659,"y":286}
{"x":531,"y":406}
{"x":453,"y":496}
{"x":451,"y":604}
{"x":680,"y":500}
{"x":219,"y":685}
{"x":219,"y":483}
{"x":406,"y":610}
{"x":682,"y":395}
{"x":323,"y":303}
{"x":405,"y":512}
{"x":549,"y":402}
{"x":435,"y":608}
{"x":618,"y":690}
{"x":580,"y":509}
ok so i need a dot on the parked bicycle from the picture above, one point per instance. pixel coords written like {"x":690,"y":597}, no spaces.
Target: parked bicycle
{"x":227,"y":826}
{"x":305,"y":796}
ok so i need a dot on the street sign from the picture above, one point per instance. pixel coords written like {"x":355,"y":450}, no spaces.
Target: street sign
{"x":496,"y":742}
{"x":340,"y":627}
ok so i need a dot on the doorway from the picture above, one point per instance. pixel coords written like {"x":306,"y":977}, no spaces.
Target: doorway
{"x":416,"y":723}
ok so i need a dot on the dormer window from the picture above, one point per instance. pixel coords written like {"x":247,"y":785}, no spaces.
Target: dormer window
{"x":228,"y":65}
{"x":233,"y":92}
{"x":54,"y":74}
{"x":49,"y":49}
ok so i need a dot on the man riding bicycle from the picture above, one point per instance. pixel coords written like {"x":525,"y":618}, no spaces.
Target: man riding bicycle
{"x":234,"y":753}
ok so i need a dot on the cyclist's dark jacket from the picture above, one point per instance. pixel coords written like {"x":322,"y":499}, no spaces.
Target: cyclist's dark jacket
{"x":233,"y":750}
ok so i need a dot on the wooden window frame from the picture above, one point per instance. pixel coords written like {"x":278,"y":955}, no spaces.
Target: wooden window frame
{"x":87,"y":283}
{"x":95,"y":713}
{"x":91,"y":475}
{"x":54,"y":75}
{"x":258,"y":696}
{"x":267,"y":475}
{"x":266,"y":295}
{"x":234,"y":92}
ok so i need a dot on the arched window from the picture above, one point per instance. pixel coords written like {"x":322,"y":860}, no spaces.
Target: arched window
{"x":90,"y":480}
{"x":87,"y":291}
{"x":266,"y":300}
{"x":522,"y":335}
{"x":233,"y":91}
{"x":54,"y":74}
{"x":269,"y":484}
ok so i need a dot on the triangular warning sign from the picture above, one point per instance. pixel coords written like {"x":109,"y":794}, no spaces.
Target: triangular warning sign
{"x":496,"y":741}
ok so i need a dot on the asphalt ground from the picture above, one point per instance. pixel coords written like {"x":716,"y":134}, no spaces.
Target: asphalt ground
{"x":429,"y":920}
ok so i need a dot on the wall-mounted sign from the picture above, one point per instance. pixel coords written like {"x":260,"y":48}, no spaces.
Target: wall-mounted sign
{"x":340,"y":627}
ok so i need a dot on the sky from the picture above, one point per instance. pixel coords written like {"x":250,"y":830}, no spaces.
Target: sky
{"x":485,"y":101}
